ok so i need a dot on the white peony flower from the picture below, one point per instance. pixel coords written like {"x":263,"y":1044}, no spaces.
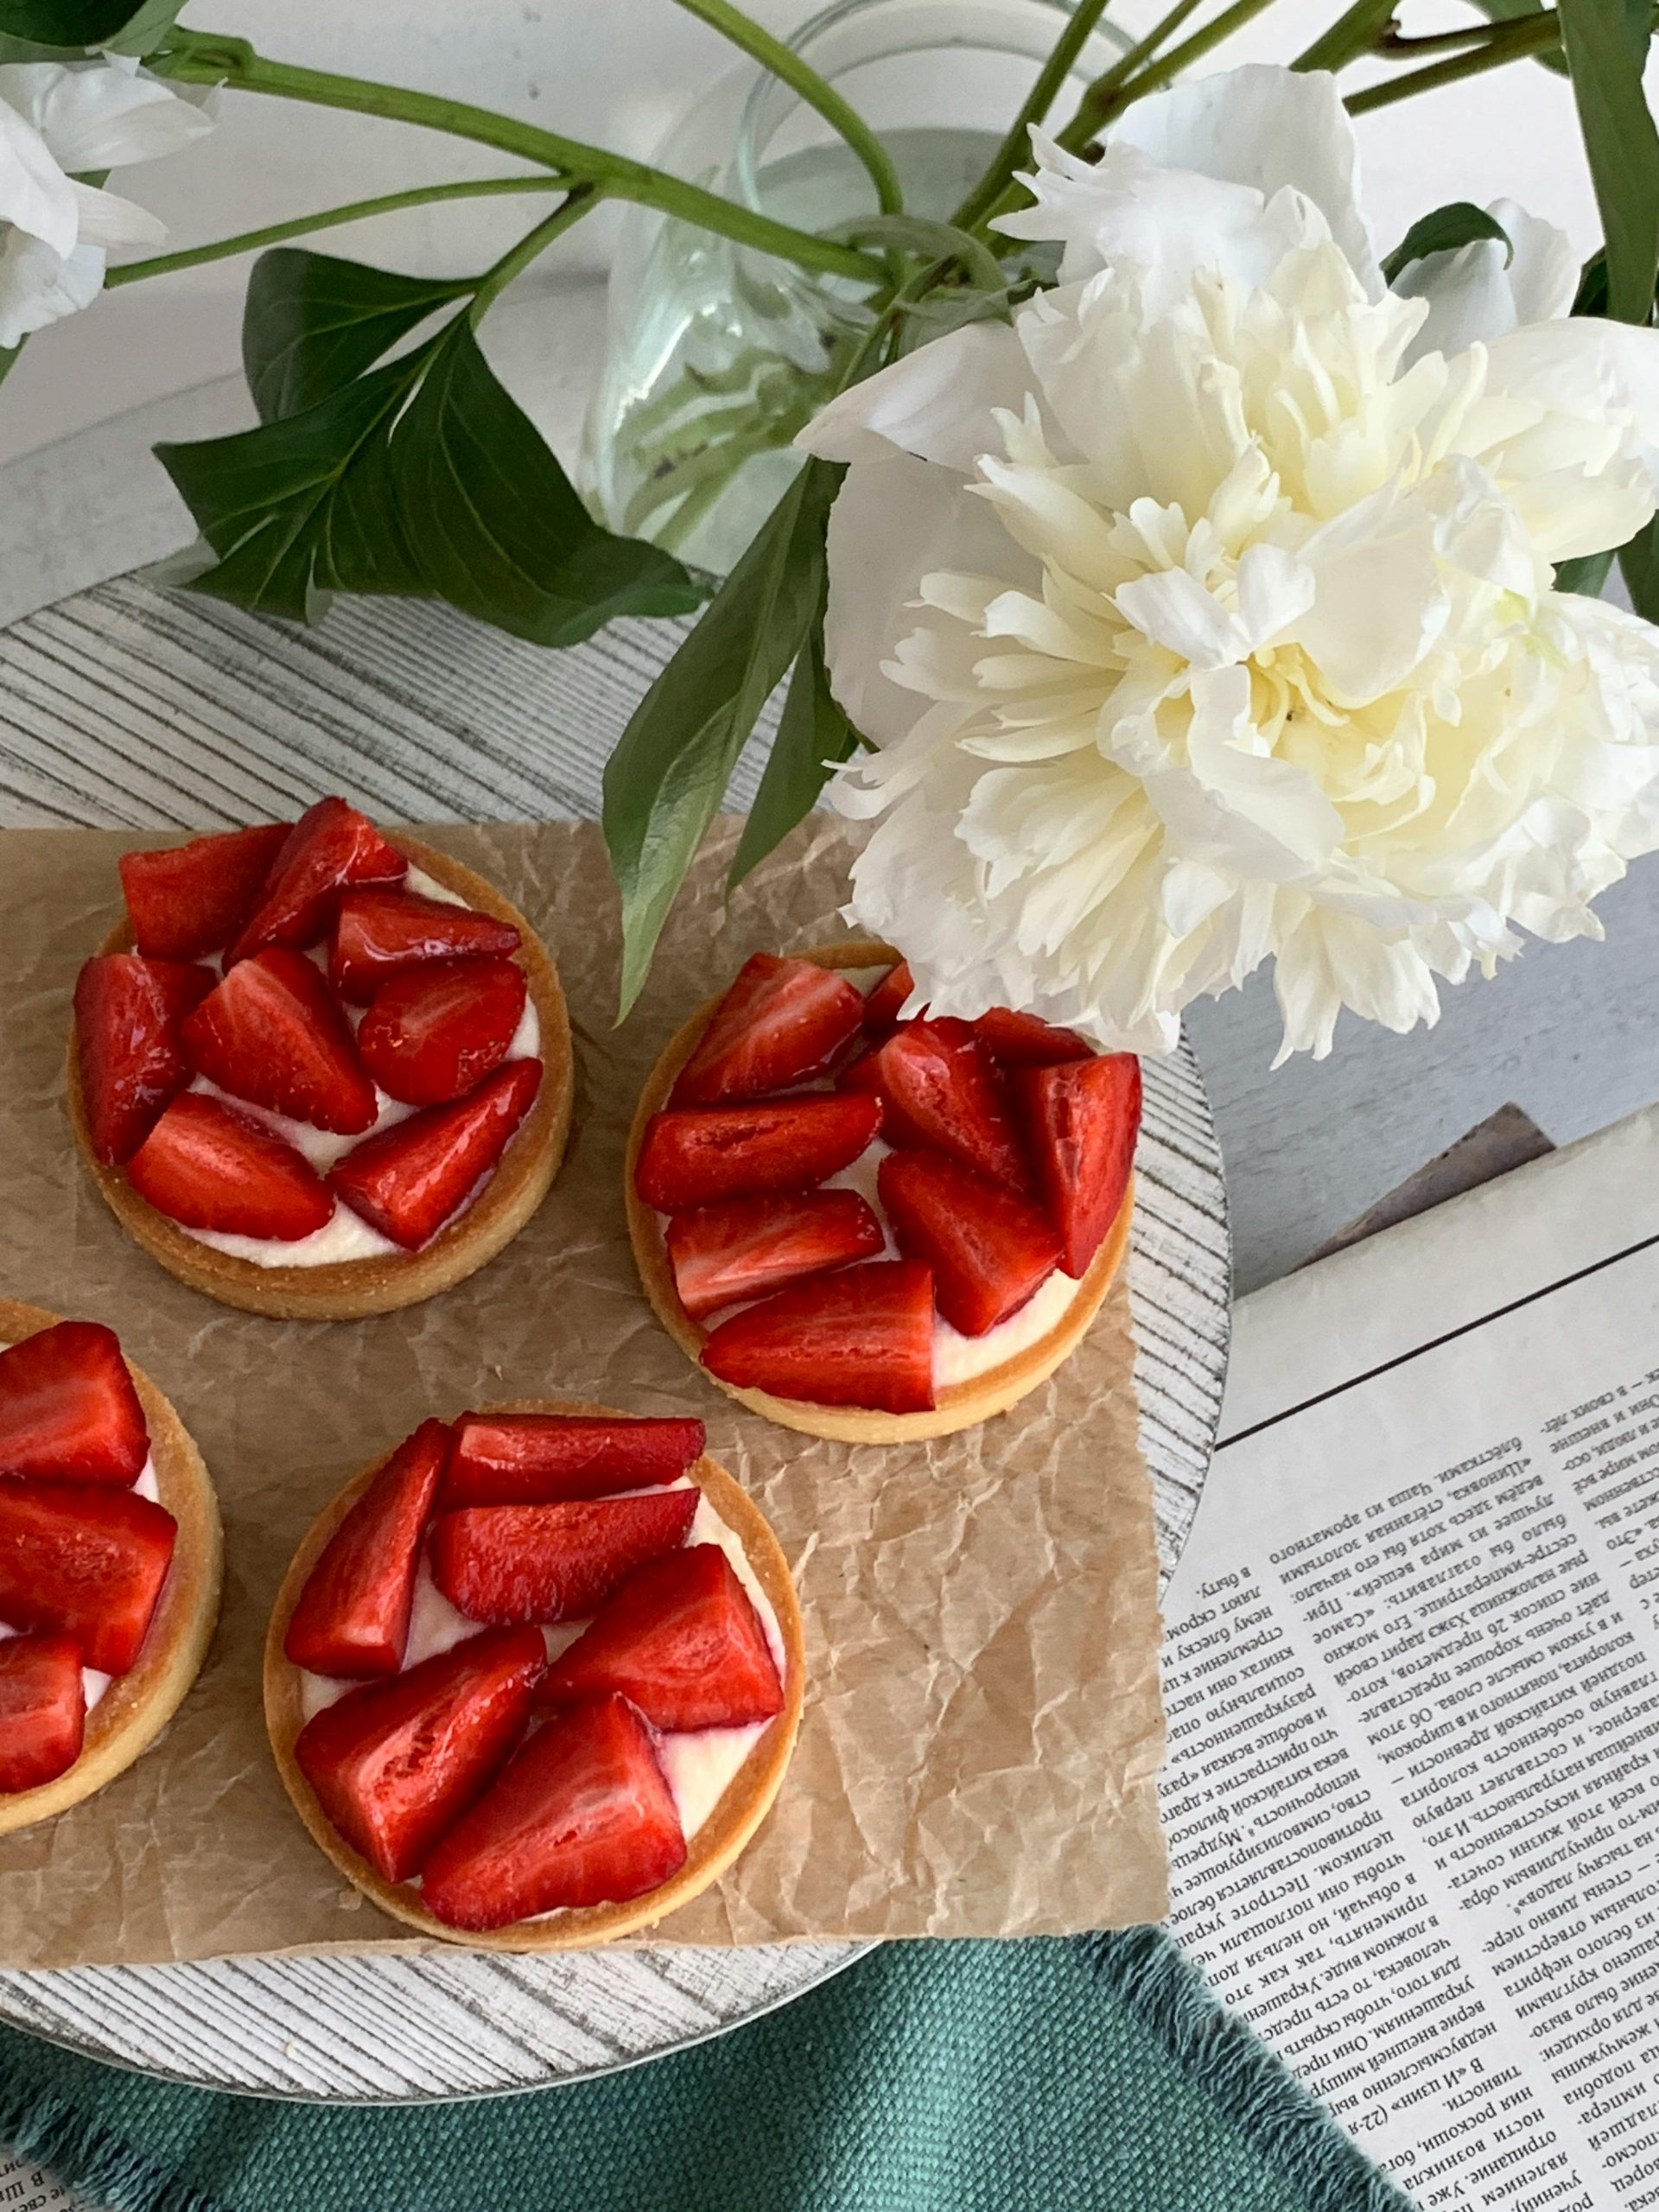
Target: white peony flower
{"x":60,"y":121}
{"x":1207,"y":614}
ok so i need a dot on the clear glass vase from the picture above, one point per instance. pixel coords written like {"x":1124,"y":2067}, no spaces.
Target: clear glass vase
{"x":716,"y":354}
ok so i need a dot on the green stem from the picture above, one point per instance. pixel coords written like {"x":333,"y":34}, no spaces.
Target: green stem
{"x":496,"y":279}
{"x":784,"y":62}
{"x":1349,"y":36}
{"x":988,"y":194}
{"x":1083,"y":126}
{"x":1395,"y":45}
{"x":1102,"y":102}
{"x":199,"y":58}
{"x":1511,"y":42}
{"x":163,"y":264}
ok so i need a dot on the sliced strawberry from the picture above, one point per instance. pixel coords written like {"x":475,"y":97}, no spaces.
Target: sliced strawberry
{"x":944,"y":1082}
{"x":863,"y":1075}
{"x":379,"y":933}
{"x":989,"y":1249}
{"x":539,"y":1459}
{"x":85,"y":1560}
{"x":272,"y":1033}
{"x":884,"y":1005}
{"x":68,"y":1407}
{"x":329,"y":848}
{"x":694,"y":1158}
{"x":128,"y":1011}
{"x":394,"y":1763}
{"x":861,"y":1337}
{"x":780,"y":1022}
{"x":408,"y":1181}
{"x":682,"y":1639}
{"x":748,"y":1247}
{"x":501,"y":1563}
{"x":209,"y":1166}
{"x":42,"y":1709}
{"x":1082,"y":1120}
{"x":1022,"y":1041}
{"x":353,"y":1615}
{"x":582,"y":1816}
{"x":434,"y":1031}
{"x":192,"y":898}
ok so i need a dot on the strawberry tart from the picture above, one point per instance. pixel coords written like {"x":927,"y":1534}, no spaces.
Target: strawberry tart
{"x":110,"y":1562}
{"x":318,"y":1072}
{"x":533,"y":1680}
{"x":871,"y":1227}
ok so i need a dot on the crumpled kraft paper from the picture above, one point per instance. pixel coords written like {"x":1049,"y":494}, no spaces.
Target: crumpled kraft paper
{"x":983,"y":1727}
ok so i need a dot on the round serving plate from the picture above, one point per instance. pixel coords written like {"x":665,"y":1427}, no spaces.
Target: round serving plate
{"x":128,"y":706}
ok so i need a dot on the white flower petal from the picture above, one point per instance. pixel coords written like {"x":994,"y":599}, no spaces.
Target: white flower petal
{"x":1477,"y":294}
{"x":106,"y":220}
{"x":35,"y":195}
{"x":102,"y":115}
{"x":38,"y":286}
{"x":937,"y":403}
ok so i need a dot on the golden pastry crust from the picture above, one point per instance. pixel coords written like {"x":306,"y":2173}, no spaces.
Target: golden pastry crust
{"x":347,"y":1290}
{"x":744,"y":1805}
{"x":959,"y":1405}
{"x":138,"y":1704}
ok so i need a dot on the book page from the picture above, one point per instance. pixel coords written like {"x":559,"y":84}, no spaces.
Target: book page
{"x":1413,"y":1687}
{"x":28,"y":2188}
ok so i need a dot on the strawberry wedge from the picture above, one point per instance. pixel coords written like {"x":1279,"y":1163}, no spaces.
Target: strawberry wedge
{"x":209,"y":1166}
{"x":394,"y":1763}
{"x":127,"y":1014}
{"x":433,"y":1031}
{"x":698,"y":1156}
{"x":1082,"y":1121}
{"x":407,"y":1180}
{"x":750,"y":1247}
{"x":1022,"y":1041}
{"x":950,"y":1092}
{"x":989,"y":1249}
{"x":781,"y":1021}
{"x":861,"y":1337}
{"x":331,"y":848}
{"x":271,"y":1033}
{"x":540,"y":1459}
{"x":192,"y":898}
{"x":884,"y":1005}
{"x":505,"y":1563}
{"x":68,"y":1409}
{"x":42,"y":1709}
{"x":682,"y":1640}
{"x":582,"y":1816}
{"x":378,"y":934}
{"x":353,"y":1616}
{"x":87,"y":1561}
{"x":863,"y":1075}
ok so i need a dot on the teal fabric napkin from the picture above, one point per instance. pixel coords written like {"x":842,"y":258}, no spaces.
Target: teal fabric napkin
{"x":1050,"y":2075}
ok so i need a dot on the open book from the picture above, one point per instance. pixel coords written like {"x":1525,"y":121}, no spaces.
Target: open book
{"x":1413,"y":1684}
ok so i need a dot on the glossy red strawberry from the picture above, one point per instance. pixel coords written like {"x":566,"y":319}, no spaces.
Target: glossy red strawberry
{"x":68,"y":1407}
{"x":695,"y":1157}
{"x":208,"y":1165}
{"x":582,"y":1816}
{"x":85,"y":1559}
{"x":331,"y":848}
{"x":747,"y":1247}
{"x":353,"y":1616}
{"x":863,"y":1075}
{"x":407,"y":1180}
{"x":860,"y":1337}
{"x":989,"y":1249}
{"x":781,"y":1021}
{"x":681,"y":1639}
{"x":394,"y":1763}
{"x":128,"y":1013}
{"x":42,"y":1709}
{"x":948,"y":1089}
{"x":272,"y":1033}
{"x":539,"y":1459}
{"x":188,"y":899}
{"x":434,"y":1031}
{"x":502,"y":1563}
{"x":1022,"y":1041}
{"x":1082,"y":1121}
{"x":379,"y":933}
{"x":884,"y":1005}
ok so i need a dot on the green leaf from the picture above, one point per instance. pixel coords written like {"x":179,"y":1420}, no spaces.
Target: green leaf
{"x":312,"y":323}
{"x":1445,"y":231}
{"x":1639,"y":564}
{"x":1584,"y":575}
{"x":72,"y":23}
{"x":1623,"y":147}
{"x":927,"y":241}
{"x":672,"y":765}
{"x":813,"y":735}
{"x":144,"y":31}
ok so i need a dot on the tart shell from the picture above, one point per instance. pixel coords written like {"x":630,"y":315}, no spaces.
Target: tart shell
{"x":740,"y":1812}
{"x":347,"y":1290}
{"x":959,"y":1405}
{"x":138,"y":1705}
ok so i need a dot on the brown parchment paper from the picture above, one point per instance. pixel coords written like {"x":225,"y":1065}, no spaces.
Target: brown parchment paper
{"x":983,"y":1727}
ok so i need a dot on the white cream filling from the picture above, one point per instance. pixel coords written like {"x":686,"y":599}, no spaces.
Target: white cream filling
{"x":344,"y":1236}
